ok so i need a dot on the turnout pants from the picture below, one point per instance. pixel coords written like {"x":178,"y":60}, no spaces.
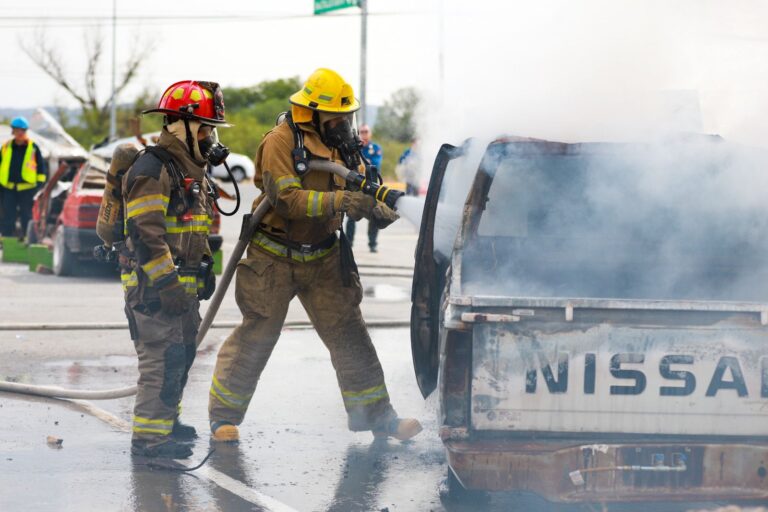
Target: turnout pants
{"x":16,"y":203}
{"x":265,"y":286}
{"x":165,"y":346}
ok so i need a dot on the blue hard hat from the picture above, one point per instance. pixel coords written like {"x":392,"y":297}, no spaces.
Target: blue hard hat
{"x":20,"y":122}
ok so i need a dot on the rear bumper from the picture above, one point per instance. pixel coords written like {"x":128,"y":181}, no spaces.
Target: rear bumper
{"x":80,"y":240}
{"x":712,"y":471}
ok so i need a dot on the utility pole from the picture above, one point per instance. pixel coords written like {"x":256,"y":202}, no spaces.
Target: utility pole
{"x":113,"y":103}
{"x":363,"y":55}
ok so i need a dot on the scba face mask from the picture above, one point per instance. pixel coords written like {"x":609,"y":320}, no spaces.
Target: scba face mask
{"x":212,"y":150}
{"x":339,"y":134}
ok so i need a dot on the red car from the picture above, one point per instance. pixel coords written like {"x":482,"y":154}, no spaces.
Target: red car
{"x":65,"y":211}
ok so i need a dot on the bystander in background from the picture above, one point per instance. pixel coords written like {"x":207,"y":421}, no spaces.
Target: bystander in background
{"x":373,"y":153}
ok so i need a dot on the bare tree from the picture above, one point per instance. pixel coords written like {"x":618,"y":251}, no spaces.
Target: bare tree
{"x":45,"y":53}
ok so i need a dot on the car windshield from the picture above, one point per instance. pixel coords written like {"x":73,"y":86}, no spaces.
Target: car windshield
{"x":682,"y":220}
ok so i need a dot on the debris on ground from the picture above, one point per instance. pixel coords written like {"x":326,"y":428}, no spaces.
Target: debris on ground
{"x":42,"y":269}
{"x":54,"y":442}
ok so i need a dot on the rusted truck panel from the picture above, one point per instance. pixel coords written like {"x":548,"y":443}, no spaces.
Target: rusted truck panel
{"x":573,"y":472}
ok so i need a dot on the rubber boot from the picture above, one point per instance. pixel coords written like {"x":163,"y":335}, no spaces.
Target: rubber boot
{"x":182,"y":432}
{"x":223,"y":432}
{"x":169,"y":449}
{"x":401,"y":429}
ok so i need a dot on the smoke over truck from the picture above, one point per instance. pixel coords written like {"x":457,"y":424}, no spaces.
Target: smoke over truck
{"x":594,"y":318}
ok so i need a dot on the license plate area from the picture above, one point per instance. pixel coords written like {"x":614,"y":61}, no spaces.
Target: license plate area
{"x":663,"y":456}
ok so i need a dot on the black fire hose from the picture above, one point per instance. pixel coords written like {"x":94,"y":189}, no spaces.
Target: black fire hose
{"x":251,"y":221}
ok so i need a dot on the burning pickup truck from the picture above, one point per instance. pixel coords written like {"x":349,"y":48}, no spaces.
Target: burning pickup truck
{"x":594,"y":317}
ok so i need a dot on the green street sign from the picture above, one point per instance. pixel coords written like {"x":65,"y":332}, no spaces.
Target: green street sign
{"x":323,"y":6}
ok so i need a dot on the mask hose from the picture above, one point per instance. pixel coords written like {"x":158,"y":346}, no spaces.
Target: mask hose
{"x":237,"y":194}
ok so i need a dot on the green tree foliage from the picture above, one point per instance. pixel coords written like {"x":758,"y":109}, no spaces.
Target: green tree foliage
{"x":237,"y":99}
{"x":253,"y":112}
{"x":396,"y":119}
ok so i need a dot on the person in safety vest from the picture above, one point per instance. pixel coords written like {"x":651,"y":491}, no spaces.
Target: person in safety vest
{"x":22,"y":173}
{"x":166,"y":263}
{"x":296,"y":251}
{"x":374,"y":154}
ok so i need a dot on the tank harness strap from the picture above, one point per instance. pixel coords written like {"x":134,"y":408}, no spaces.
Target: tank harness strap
{"x":300,"y":154}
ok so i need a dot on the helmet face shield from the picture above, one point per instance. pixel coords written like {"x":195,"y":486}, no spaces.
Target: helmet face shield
{"x":337,"y":129}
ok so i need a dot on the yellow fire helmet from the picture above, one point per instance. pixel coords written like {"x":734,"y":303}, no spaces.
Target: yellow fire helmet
{"x":326,"y":91}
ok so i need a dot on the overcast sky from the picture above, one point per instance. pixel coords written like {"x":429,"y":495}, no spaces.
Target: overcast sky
{"x":563,"y":69}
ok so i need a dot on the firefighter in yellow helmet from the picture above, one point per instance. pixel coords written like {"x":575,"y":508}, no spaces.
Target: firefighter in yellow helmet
{"x":296,"y":252}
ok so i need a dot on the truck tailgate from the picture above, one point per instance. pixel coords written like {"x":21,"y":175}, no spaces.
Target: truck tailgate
{"x":640,"y":376}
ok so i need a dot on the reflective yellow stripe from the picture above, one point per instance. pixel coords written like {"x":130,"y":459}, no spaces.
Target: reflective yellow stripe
{"x":287,"y":181}
{"x":198,"y":224}
{"x":129,"y":280}
{"x":310,"y":197}
{"x":148,"y":421}
{"x":159,"y":266}
{"x":150,"y":203}
{"x":227,"y":397}
{"x":365,"y":397}
{"x":270,"y":246}
{"x":190,"y":284}
{"x":315,"y":203}
{"x":147,"y":430}
{"x":150,"y":426}
{"x":277,"y":249}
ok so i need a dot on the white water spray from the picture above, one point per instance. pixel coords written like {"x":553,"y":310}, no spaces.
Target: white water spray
{"x":411,"y":208}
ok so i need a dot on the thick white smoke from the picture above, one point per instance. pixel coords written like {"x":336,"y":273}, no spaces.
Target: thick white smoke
{"x":598,"y":70}
{"x":637,"y":72}
{"x":678,"y":218}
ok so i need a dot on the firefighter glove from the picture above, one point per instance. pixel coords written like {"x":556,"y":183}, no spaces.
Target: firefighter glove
{"x":173,"y":299}
{"x":382,"y":215}
{"x":357,"y":205}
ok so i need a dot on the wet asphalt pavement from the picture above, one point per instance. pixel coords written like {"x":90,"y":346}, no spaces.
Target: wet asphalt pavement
{"x":295,"y":446}
{"x":296,"y":453}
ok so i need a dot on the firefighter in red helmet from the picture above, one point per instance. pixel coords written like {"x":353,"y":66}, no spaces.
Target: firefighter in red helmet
{"x":166,"y":264}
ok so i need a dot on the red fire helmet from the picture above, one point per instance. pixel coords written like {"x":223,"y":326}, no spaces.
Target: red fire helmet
{"x":192,"y":99}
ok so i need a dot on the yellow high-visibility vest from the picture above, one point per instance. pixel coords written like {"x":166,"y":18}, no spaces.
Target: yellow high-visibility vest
{"x":29,"y":175}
